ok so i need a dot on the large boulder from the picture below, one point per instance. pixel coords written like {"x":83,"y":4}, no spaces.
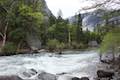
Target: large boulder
{"x":93,"y":43}
{"x":13,"y":77}
{"x":105,"y":74}
{"x":33,"y":41}
{"x":46,"y":76}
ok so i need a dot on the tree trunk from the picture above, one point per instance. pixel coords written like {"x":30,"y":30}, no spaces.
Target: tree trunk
{"x":5,"y":35}
{"x":19,"y":46}
{"x":69,"y":38}
{"x":2,"y":38}
{"x":4,"y":41}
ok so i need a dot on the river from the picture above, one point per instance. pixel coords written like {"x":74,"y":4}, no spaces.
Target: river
{"x":75,"y":63}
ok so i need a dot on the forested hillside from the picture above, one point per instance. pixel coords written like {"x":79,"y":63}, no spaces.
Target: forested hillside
{"x":27,"y":25}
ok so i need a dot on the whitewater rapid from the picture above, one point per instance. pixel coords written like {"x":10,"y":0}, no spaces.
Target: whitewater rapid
{"x":76,"y":63}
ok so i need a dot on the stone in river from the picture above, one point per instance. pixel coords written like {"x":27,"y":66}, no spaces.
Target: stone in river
{"x":75,"y":78}
{"x":46,"y":76}
{"x":83,"y":78}
{"x":28,"y":73}
{"x":13,"y":77}
{"x":105,"y":74}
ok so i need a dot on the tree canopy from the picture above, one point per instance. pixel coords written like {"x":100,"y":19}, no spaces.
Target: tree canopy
{"x":111,"y":41}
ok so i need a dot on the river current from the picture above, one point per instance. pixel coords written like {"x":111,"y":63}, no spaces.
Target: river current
{"x":77,"y":63}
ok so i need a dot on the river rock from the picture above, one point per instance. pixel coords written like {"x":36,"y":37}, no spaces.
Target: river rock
{"x":65,"y":77}
{"x":106,"y":61}
{"x":63,"y":73}
{"x":33,"y":71}
{"x":105,"y":74}
{"x":13,"y":77}
{"x":28,"y":73}
{"x":46,"y":76}
{"x":75,"y":78}
{"x":83,"y":78}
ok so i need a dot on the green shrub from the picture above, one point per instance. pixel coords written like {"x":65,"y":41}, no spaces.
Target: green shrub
{"x":60,"y":46}
{"x":52,"y":44}
{"x":9,"y":48}
{"x":76,"y":45}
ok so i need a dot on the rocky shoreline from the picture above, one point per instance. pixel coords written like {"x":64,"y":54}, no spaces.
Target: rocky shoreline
{"x":106,"y":72}
{"x":42,"y":50}
{"x":109,"y":70}
{"x":32,"y":74}
{"x":22,"y":52}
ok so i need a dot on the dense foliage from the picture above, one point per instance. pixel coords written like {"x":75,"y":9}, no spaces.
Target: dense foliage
{"x":111,"y":41}
{"x":19,"y":18}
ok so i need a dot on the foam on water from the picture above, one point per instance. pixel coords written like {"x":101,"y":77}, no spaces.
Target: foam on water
{"x":70,"y":63}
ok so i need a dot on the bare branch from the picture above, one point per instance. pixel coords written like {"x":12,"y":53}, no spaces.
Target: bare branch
{"x":1,"y":34}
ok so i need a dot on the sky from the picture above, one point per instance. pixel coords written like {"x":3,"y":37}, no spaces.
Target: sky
{"x":68,"y":7}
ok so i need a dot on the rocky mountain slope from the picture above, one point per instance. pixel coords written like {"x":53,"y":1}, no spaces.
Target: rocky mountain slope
{"x":89,"y":20}
{"x":92,"y":19}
